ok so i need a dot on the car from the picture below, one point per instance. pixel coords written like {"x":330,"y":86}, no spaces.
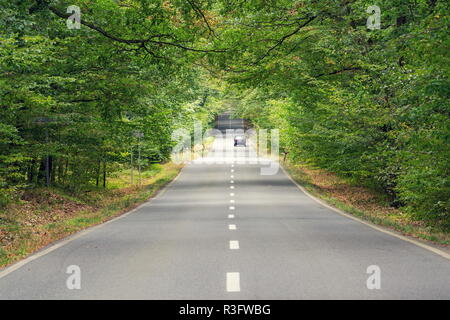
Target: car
{"x":239,"y":141}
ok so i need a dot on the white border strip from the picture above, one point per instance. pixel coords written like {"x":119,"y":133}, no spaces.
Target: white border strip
{"x":233,"y":282}
{"x":373,"y":226}
{"x":80,"y":233}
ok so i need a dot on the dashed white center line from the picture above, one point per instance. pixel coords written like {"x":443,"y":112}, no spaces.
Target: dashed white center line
{"x":233,"y":282}
{"x":233,"y":278}
{"x":234,"y":244}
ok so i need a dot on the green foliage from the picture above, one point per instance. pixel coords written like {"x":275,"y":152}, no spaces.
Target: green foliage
{"x":79,"y":98}
{"x":371,"y":105}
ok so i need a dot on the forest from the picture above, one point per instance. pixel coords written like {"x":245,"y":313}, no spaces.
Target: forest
{"x":369,"y":104}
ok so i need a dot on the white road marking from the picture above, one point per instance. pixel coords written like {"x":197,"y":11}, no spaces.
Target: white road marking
{"x":232,"y":165}
{"x":232,"y":176}
{"x":232,"y":170}
{"x":231,"y":216}
{"x":234,"y":244}
{"x":231,"y":201}
{"x":231,"y":181}
{"x":348,"y":215}
{"x":231,"y":208}
{"x":233,"y":282}
{"x":231,"y":187}
{"x":232,"y":194}
{"x":232,"y":227}
{"x":4,"y":272}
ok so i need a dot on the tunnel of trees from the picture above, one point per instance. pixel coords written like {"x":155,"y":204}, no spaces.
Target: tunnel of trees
{"x":368,"y":104}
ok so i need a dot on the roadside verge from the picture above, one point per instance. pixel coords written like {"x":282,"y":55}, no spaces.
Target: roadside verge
{"x":383,"y":224}
{"x":50,"y":216}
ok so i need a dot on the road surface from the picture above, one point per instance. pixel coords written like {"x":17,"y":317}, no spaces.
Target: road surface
{"x":224,"y":231}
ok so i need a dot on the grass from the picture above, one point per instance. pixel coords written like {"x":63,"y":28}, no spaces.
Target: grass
{"x":364,"y":203}
{"x":49,"y":214}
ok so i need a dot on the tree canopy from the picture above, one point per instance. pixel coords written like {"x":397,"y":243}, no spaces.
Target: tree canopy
{"x":370,"y":104}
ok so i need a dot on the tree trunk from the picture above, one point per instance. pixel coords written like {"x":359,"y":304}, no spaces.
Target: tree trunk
{"x":31,"y":174}
{"x":60,"y":170}
{"x":65,"y":171}
{"x":104,"y":174}
{"x":41,"y":172}
{"x":97,"y":181}
{"x":50,"y":169}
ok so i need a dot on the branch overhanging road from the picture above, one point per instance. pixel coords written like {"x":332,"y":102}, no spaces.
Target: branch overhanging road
{"x":224,"y":231}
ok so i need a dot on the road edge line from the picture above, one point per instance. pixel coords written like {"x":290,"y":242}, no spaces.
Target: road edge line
{"x":60,"y":243}
{"x":369,"y":224}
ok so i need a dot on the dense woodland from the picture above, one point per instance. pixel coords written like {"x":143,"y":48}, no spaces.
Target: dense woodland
{"x":371,"y":105}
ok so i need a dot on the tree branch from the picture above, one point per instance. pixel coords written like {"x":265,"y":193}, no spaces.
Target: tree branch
{"x":64,"y":15}
{"x":280,"y":41}
{"x":141,"y":42}
{"x":339,"y":71}
{"x":201,"y":14}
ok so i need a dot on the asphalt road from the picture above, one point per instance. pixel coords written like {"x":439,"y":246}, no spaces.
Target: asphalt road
{"x":224,"y":231}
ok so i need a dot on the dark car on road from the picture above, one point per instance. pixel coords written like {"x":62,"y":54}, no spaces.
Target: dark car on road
{"x":239,"y":141}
